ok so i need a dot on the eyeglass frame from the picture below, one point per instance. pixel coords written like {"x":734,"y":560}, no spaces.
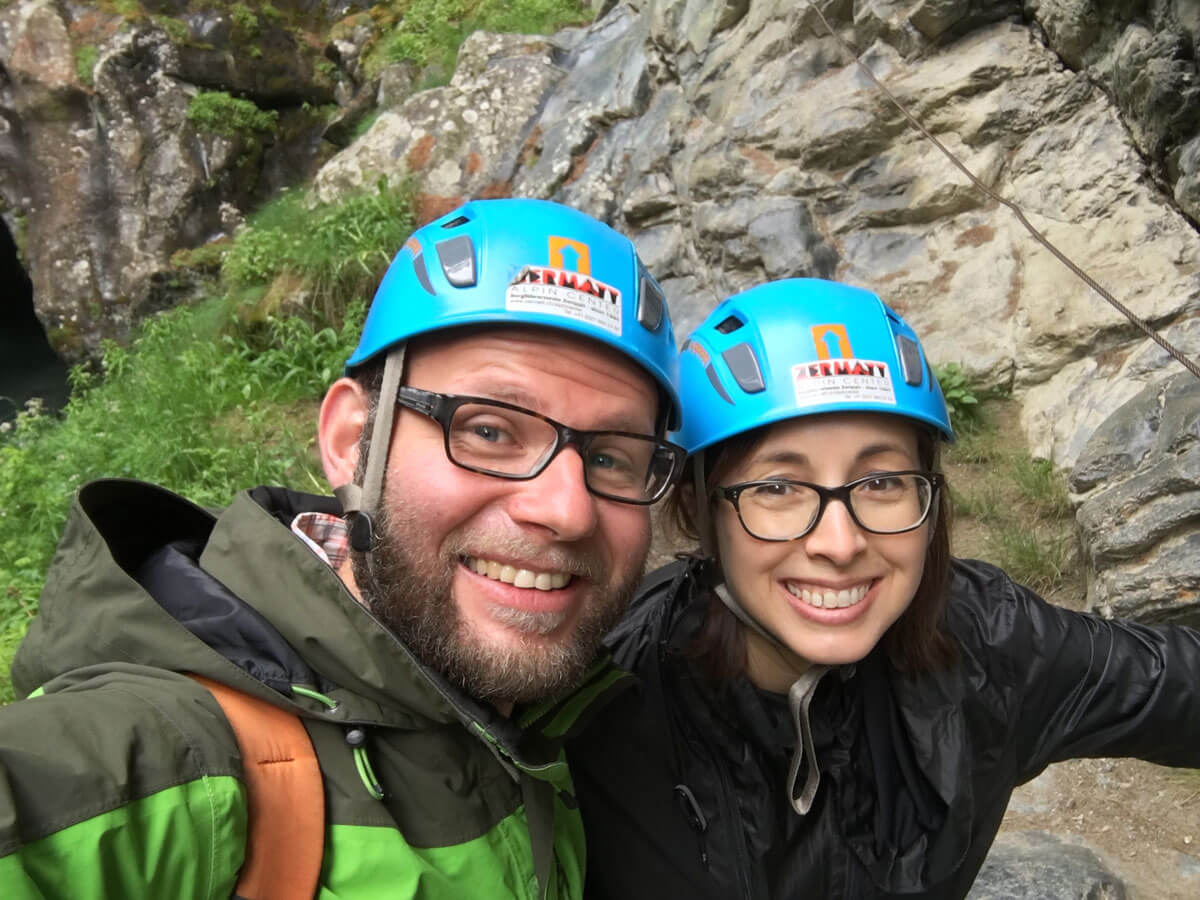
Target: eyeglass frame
{"x":442,"y":407}
{"x":733,"y":493}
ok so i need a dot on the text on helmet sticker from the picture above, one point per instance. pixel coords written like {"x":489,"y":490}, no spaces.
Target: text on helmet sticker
{"x":837,"y":376}
{"x":843,"y":381}
{"x":566,"y":288}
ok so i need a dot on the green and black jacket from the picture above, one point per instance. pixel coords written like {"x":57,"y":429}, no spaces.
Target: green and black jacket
{"x":120,"y":776}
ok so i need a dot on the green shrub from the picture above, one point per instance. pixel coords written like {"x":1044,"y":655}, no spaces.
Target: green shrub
{"x":206,"y":258}
{"x":336,"y":253}
{"x":216,"y":112}
{"x":245,"y":22}
{"x":961,"y":397}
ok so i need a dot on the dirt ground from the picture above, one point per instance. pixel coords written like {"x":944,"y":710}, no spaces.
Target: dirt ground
{"x":1142,"y":820}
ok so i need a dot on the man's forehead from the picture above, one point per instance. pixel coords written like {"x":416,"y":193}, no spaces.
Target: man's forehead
{"x":527,"y":351}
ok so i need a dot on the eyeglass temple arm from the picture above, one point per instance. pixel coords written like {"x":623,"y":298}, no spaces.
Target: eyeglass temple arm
{"x":419,"y":401}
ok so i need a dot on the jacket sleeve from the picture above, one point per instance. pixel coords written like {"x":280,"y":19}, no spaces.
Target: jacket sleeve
{"x":1081,"y":685}
{"x":121,"y":785}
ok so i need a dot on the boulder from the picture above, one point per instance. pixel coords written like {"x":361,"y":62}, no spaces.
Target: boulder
{"x":1138,"y":487}
{"x":1024,"y":865}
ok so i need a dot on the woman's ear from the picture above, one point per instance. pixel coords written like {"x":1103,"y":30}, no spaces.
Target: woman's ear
{"x":339,"y":429}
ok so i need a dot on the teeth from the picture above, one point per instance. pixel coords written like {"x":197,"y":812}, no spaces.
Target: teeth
{"x":829,"y":599}
{"x":522,"y":578}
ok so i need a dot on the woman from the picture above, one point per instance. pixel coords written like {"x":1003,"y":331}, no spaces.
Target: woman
{"x":830,"y":706}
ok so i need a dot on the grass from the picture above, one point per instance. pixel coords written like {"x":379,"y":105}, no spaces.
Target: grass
{"x":328,"y":253}
{"x":209,"y":398}
{"x":1012,"y":510}
{"x":85,"y":63}
{"x":429,"y":32}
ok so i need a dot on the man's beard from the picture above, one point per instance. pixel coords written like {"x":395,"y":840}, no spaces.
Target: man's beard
{"x":412,"y":594}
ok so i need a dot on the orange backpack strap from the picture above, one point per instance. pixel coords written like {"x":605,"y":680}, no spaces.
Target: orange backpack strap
{"x":285,"y":798}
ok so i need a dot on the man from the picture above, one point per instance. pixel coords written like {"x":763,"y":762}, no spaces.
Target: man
{"x":494,"y":449}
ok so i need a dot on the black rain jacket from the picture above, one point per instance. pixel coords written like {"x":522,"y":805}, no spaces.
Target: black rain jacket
{"x":682,"y":781}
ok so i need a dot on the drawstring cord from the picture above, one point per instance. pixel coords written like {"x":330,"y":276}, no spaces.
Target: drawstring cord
{"x":800,"y":696}
{"x":355,"y":737}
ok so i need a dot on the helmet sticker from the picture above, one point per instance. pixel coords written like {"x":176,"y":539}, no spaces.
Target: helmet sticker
{"x":566,"y":288}
{"x":824,"y":334}
{"x":564,"y":250}
{"x":836,"y":376}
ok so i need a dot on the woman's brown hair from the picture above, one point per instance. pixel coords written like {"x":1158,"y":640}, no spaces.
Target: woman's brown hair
{"x":916,"y":643}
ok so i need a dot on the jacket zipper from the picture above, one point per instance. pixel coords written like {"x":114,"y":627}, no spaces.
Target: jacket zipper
{"x":729,"y":801}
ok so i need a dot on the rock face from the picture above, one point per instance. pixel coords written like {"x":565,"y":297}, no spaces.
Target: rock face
{"x":739,"y":142}
{"x":735,"y":141}
{"x":1139,"y":477}
{"x":101,"y":160}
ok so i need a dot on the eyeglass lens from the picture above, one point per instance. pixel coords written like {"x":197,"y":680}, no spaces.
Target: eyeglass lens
{"x":505,"y":441}
{"x":886,"y":504}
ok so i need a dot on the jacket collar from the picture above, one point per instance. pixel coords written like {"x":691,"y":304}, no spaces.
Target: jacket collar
{"x":96,"y":611}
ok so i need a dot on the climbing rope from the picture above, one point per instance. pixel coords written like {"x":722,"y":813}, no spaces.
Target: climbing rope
{"x":1012,"y":207}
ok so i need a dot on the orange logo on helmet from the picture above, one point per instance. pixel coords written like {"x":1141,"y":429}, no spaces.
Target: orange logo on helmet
{"x":570,"y":255}
{"x":413,"y":246}
{"x":826,"y":337}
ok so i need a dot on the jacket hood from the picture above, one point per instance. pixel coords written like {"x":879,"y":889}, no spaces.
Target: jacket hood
{"x":144,"y":577}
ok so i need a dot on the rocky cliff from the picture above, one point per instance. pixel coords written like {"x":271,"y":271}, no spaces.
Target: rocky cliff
{"x":736,"y":141}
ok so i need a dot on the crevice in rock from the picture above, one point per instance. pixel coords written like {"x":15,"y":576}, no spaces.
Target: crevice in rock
{"x":29,"y":367}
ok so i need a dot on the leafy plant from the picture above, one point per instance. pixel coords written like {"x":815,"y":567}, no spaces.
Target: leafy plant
{"x":961,"y":397}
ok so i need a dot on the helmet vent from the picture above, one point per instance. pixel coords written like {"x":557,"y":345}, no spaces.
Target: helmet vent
{"x":729,"y":325}
{"x":651,"y":304}
{"x":457,"y":256}
{"x":910,"y":359}
{"x":422,"y":273}
{"x":456,"y":221}
{"x":743,"y":365}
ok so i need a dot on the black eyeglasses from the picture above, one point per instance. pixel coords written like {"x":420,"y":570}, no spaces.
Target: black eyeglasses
{"x":495,"y":438}
{"x":782,"y":509}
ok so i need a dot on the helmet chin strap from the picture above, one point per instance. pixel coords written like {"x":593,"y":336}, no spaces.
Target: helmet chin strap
{"x":360,"y":503}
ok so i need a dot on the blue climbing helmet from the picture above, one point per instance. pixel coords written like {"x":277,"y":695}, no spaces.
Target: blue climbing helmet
{"x":799,"y":347}
{"x":526,"y":262}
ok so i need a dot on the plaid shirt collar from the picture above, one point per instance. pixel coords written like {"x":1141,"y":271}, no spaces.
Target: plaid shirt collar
{"x":326,"y":535}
